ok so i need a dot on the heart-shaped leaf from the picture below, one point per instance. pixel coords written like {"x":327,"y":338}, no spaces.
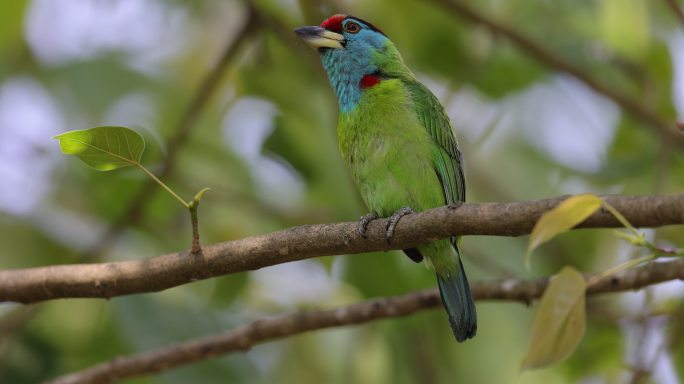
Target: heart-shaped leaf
{"x":104,"y":148}
{"x":559,"y":322}
{"x":566,"y":215}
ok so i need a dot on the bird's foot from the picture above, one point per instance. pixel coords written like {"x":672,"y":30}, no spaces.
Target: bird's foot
{"x":394,"y":219}
{"x":454,"y":205}
{"x":363,"y":223}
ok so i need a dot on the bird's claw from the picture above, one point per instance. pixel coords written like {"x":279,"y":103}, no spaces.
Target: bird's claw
{"x":454,"y":205}
{"x":363,"y":223}
{"x":394,"y":219}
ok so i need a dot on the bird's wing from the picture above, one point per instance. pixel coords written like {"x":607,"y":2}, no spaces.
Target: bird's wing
{"x":447,"y":158}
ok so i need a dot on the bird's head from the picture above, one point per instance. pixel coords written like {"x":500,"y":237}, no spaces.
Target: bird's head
{"x":355,"y":55}
{"x":348,"y":33}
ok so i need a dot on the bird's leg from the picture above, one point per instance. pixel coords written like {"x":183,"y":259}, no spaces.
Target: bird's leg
{"x":394,"y":219}
{"x":363,"y":223}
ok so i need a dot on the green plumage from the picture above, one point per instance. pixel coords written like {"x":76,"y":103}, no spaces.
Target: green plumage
{"x":394,"y":159}
{"x":398,"y":143}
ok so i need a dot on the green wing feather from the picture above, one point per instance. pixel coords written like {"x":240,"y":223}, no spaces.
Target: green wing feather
{"x":453,"y":286}
{"x":447,"y":157}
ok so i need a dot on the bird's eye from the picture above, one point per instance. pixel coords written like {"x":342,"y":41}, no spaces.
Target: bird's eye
{"x":352,"y":27}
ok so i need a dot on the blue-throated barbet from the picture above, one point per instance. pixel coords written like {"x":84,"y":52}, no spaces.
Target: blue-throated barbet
{"x":398,"y":143}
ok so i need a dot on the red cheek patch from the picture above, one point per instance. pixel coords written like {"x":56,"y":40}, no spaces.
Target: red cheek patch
{"x":368,"y":81}
{"x":334,"y":23}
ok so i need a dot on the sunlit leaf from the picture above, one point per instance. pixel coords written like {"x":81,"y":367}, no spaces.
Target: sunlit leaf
{"x":566,"y":215}
{"x":104,"y":148}
{"x":559,"y":323}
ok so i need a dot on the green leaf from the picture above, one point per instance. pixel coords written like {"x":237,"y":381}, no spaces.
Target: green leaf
{"x":198,"y":196}
{"x":559,"y":323}
{"x":104,"y":148}
{"x":566,"y":215}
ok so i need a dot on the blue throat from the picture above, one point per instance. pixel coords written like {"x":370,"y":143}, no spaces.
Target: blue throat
{"x":345,"y":71}
{"x":347,"y":66}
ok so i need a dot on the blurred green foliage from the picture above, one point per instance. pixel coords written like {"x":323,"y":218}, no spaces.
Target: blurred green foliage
{"x":266,"y":145}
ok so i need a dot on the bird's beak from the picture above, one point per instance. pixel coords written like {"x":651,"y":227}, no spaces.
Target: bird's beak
{"x":317,"y":37}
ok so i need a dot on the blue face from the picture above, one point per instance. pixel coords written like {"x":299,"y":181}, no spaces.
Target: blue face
{"x":346,"y":66}
{"x":362,"y":36}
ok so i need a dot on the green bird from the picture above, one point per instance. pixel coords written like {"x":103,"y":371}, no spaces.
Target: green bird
{"x":399,"y":145}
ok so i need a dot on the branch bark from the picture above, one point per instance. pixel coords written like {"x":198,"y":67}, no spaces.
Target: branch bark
{"x":154,"y":274}
{"x":268,"y":329}
{"x":545,"y":56}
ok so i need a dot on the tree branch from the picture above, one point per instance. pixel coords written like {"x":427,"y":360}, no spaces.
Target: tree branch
{"x":273,"y":328}
{"x":552,"y":60}
{"x":154,"y":274}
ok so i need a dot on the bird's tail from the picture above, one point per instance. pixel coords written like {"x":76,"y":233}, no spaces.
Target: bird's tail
{"x":458,"y":301}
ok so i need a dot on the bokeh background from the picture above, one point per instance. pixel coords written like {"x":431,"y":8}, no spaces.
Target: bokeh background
{"x":261,"y":134}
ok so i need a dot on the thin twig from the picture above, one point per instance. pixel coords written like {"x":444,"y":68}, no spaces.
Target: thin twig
{"x":286,"y":325}
{"x":544,"y":55}
{"x":207,"y":87}
{"x":107,"y":280}
{"x":193,"y":206}
{"x":204,"y":92}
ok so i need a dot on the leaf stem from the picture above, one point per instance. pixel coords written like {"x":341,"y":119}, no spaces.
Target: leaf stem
{"x":161,"y":183}
{"x":618,"y":268}
{"x":621,"y":218}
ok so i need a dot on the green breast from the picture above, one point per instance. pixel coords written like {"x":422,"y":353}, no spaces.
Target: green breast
{"x":390,"y":154}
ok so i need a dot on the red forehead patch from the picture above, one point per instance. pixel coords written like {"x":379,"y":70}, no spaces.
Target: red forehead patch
{"x":334,"y":23}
